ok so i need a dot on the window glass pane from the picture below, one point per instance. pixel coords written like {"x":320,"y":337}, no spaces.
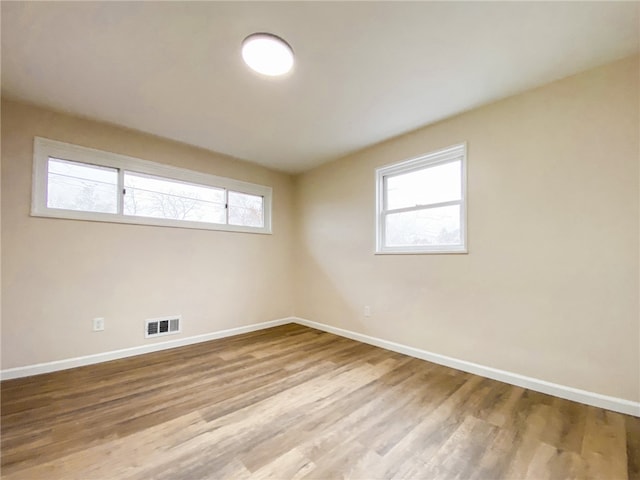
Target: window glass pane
{"x":245,"y":209}
{"x":431,"y":226}
{"x":439,"y":183}
{"x":157,"y":197}
{"x":80,"y":186}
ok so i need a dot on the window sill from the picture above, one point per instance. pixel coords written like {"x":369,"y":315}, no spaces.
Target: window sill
{"x":148,"y":221}
{"x":456,"y":251}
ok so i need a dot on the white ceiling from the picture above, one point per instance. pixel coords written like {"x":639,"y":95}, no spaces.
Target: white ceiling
{"x":365,"y":71}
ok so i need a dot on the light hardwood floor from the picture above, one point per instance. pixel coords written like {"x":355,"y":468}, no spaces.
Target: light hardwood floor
{"x":293,"y":402}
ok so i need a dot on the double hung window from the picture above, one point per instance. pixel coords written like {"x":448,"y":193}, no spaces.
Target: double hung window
{"x":421,"y":204}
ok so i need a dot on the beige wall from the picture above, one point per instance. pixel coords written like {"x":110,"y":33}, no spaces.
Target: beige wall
{"x":57,"y":275}
{"x":549,"y":288}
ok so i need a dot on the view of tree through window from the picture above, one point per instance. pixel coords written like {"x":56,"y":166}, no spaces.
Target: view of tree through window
{"x":424,"y":189}
{"x":78,"y":186}
{"x":245,"y":209}
{"x":84,"y":187}
{"x":149,"y":196}
{"x":435,"y":226}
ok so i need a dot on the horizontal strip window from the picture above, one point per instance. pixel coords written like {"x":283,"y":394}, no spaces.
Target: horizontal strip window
{"x":82,"y":183}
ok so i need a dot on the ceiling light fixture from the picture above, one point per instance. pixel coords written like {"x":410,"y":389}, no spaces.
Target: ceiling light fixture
{"x":267,"y":54}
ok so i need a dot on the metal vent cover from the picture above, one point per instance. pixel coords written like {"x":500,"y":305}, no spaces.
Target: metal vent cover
{"x":155,"y":327}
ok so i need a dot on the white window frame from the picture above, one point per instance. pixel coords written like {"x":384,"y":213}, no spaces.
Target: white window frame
{"x":446,"y":155}
{"x":44,"y":148}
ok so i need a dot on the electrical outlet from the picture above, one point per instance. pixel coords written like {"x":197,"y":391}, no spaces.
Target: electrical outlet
{"x":98,"y":324}
{"x":367,"y":311}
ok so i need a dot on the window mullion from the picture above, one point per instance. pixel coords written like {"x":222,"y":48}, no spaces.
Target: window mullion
{"x":226,"y":206}
{"x":121,"y":192}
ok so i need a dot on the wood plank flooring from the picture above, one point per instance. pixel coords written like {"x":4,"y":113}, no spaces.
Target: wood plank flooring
{"x":293,"y":402}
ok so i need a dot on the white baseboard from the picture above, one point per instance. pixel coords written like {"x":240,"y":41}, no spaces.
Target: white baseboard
{"x":130,"y":352}
{"x":582,"y":396}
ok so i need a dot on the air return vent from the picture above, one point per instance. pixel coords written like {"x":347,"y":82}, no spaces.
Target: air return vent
{"x":156,"y":327}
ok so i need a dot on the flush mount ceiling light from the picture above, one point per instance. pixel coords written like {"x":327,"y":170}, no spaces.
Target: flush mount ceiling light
{"x":267,"y":54}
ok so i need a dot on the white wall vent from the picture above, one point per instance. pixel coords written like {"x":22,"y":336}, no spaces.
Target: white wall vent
{"x":155,"y":327}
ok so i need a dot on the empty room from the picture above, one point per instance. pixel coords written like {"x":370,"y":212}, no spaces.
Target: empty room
{"x":321,"y":240}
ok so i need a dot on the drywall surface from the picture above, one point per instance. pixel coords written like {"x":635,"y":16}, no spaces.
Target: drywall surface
{"x":57,"y":275}
{"x":549,"y":288}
